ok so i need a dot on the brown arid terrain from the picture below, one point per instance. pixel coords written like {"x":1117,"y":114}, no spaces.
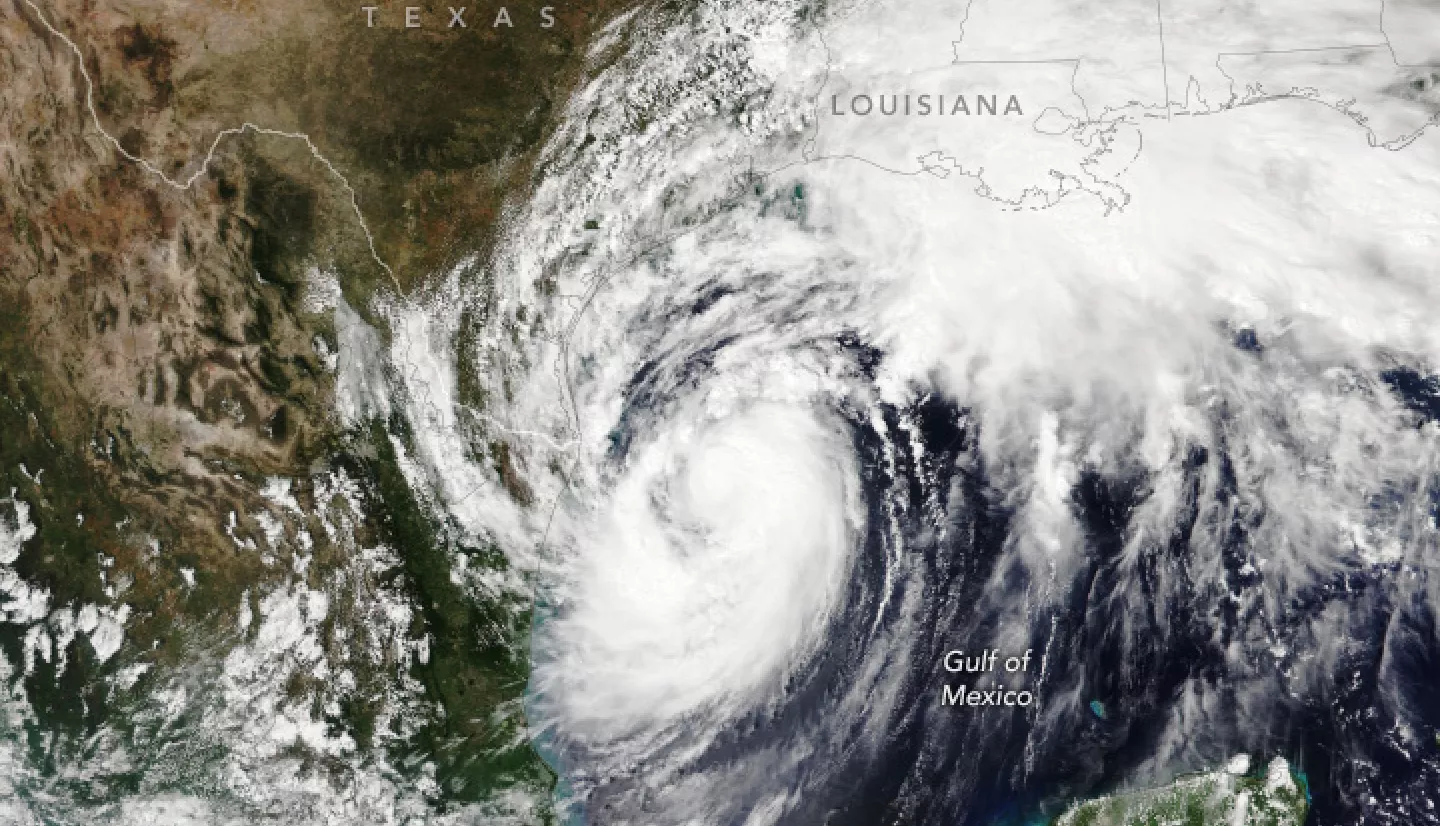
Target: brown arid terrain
{"x":172,"y":174}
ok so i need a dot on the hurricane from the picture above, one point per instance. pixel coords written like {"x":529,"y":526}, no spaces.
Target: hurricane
{"x":797,"y":422}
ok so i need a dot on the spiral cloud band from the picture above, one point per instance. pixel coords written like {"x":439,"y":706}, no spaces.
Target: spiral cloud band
{"x":812,"y":419}
{"x":717,"y":555}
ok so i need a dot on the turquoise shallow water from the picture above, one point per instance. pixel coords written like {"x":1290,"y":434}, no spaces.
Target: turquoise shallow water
{"x":568,"y":809}
{"x":1304,"y":782}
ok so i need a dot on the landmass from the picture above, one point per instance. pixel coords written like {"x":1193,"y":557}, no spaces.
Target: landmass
{"x":182,"y":185}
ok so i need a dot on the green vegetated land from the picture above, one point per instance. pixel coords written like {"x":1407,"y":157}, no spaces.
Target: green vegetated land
{"x":1223,"y":798}
{"x":161,"y":362}
{"x":478,"y":663}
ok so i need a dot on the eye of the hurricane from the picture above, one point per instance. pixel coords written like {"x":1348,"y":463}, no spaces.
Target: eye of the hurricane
{"x":710,"y":566}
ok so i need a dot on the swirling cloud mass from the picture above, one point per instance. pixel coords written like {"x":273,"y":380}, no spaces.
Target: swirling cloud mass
{"x":817,"y":400}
